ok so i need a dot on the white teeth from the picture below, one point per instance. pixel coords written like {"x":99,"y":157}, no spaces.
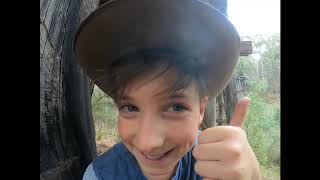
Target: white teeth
{"x":154,"y":157}
{"x":157,"y":157}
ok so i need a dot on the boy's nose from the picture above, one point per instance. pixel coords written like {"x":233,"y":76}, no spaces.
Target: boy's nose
{"x":150,"y":137}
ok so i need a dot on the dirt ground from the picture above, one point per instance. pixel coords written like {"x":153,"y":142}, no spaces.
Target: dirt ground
{"x":103,"y":145}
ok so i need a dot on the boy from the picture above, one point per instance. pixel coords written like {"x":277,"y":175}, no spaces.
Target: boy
{"x":161,"y":61}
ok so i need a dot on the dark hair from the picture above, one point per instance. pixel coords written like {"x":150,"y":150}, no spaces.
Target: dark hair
{"x":144,"y":62}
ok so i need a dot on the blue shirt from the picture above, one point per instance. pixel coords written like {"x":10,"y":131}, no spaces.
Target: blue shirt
{"x":118,"y":163}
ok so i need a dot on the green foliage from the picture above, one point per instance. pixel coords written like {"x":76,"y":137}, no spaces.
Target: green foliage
{"x":263,"y":64}
{"x":262,"y":70}
{"x":104,"y":115}
{"x":263,"y":126}
{"x":270,"y":173}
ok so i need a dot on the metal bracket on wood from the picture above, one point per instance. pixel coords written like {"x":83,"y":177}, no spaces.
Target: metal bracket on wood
{"x":245,"y":48}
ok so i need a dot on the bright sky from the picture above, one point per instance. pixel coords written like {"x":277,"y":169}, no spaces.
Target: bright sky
{"x":252,"y":17}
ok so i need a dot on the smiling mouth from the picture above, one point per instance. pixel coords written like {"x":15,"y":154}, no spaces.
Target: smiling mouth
{"x":157,"y":157}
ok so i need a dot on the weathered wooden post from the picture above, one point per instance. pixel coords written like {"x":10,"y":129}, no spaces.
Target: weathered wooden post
{"x":233,"y":91}
{"x":228,"y":97}
{"x":67,"y":135}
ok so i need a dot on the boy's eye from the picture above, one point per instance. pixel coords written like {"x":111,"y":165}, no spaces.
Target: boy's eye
{"x":177,"y":108}
{"x":129,"y":108}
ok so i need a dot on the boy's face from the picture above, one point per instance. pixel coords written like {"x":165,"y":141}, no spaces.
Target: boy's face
{"x":157,"y":127}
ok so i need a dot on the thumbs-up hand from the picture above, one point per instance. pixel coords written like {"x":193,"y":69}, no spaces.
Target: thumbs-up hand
{"x":224,"y":153}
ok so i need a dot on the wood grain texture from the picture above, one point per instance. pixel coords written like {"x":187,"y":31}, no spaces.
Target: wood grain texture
{"x":67,"y":136}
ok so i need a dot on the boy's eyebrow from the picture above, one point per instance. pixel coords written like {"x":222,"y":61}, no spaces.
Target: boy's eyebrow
{"x":162,"y":94}
{"x":166,"y":93}
{"x":178,"y":95}
{"x":126,"y":97}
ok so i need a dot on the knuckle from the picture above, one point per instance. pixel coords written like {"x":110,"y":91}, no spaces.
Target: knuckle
{"x":196,"y":167}
{"x":237,"y":131}
{"x":195,"y":152}
{"x":236,"y":172}
{"x":234,"y":150}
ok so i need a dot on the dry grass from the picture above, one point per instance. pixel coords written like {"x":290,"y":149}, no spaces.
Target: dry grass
{"x":104,"y":144}
{"x":106,"y":137}
{"x":270,"y":173}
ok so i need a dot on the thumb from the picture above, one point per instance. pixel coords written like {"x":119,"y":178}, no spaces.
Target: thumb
{"x":240,"y":112}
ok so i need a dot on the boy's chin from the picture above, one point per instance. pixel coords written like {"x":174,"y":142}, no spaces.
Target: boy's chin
{"x":157,"y":173}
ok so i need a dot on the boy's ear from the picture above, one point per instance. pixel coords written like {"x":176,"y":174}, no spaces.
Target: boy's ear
{"x":203,"y":104}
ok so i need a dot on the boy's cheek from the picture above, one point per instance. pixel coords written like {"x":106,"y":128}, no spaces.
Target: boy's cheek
{"x":124,"y":129}
{"x":186,"y":135}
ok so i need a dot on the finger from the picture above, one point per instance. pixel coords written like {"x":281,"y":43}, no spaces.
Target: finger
{"x":219,"y":151}
{"x":211,"y":169}
{"x":216,"y":134}
{"x":240,"y":112}
{"x":208,"y":152}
